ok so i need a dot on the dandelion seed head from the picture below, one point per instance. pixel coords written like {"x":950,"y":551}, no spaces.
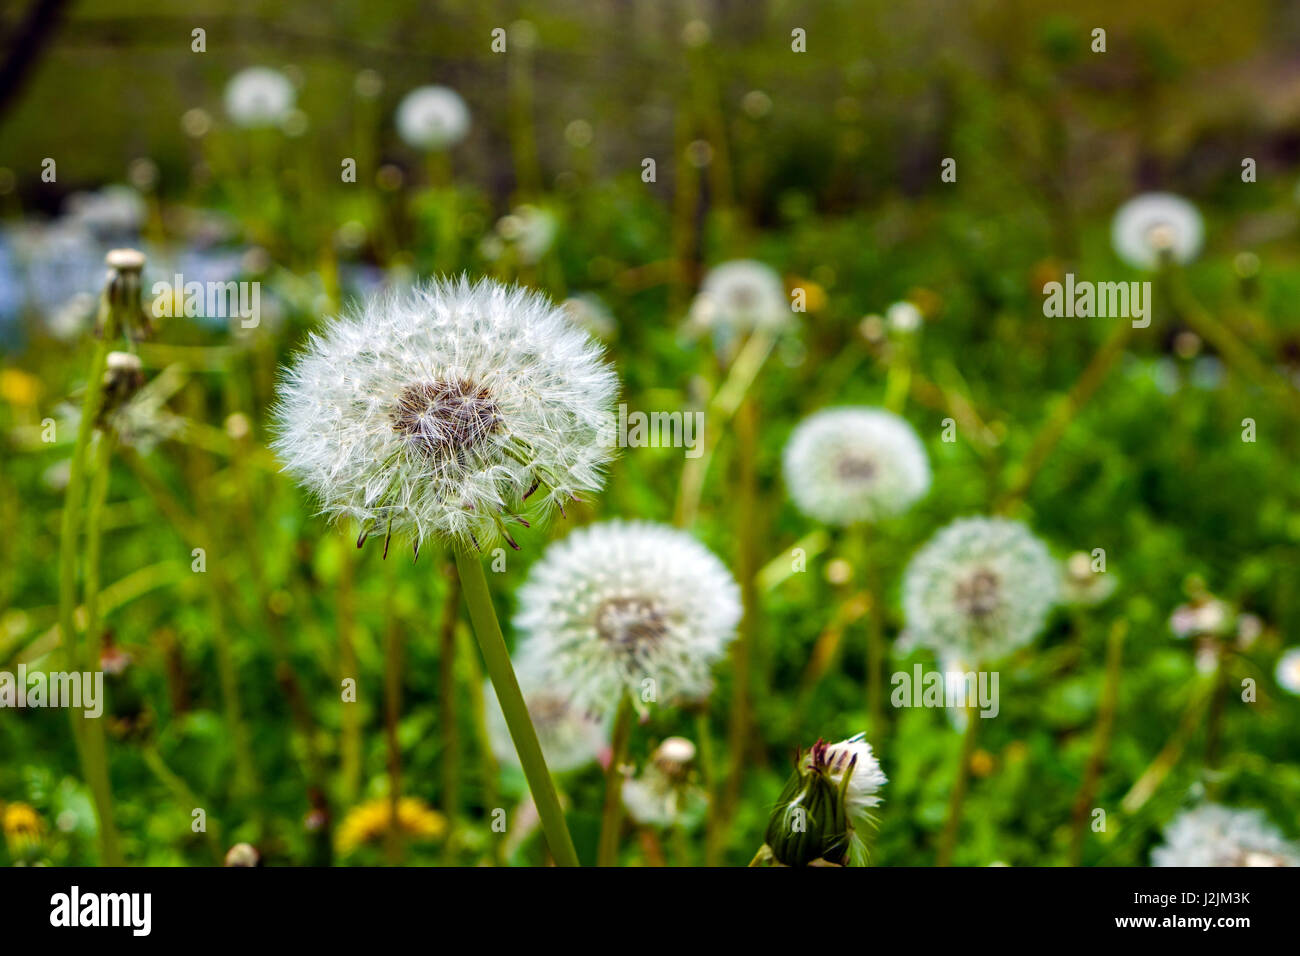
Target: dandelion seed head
{"x":259,"y":96}
{"x":442,"y":410}
{"x":849,"y":465}
{"x":1215,"y":835}
{"x":619,"y":604}
{"x":1288,"y":670}
{"x":739,"y":297}
{"x":980,"y":587}
{"x":432,"y":117}
{"x":1151,"y":226}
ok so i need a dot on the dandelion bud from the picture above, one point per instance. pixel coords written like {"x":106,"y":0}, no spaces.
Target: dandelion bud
{"x":243,"y":854}
{"x":823,"y":811}
{"x":122,"y":293}
{"x":123,"y":377}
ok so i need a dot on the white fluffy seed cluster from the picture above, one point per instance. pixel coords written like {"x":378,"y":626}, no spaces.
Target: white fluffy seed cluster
{"x":259,"y":96}
{"x":569,"y":736}
{"x":627,"y":607}
{"x":441,"y":410}
{"x":849,"y":465}
{"x":1153,"y":225}
{"x":432,"y":117}
{"x":1215,"y":835}
{"x":979,"y":588}
{"x":740,"y":296}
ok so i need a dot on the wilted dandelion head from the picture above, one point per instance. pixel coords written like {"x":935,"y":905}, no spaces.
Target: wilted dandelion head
{"x":1152,"y":226}
{"x":570,"y":736}
{"x":979,"y":588}
{"x":740,"y":296}
{"x":1288,"y":670}
{"x":627,"y":607}
{"x":1215,"y":835}
{"x":1080,"y":584}
{"x":432,"y":117}
{"x":259,"y":96}
{"x":848,"y":465}
{"x":663,"y":794}
{"x":440,"y":410}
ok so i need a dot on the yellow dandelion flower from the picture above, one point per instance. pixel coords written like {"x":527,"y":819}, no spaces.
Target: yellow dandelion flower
{"x":19,"y":388}
{"x":22,"y":827}
{"x":370,"y":821}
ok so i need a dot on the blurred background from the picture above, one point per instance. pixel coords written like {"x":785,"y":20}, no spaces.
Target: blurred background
{"x":825,"y":164}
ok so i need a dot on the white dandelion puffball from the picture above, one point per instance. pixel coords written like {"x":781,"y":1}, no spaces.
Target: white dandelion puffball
{"x":1150,"y":226}
{"x":1214,"y":835}
{"x":570,"y":737}
{"x":627,"y":607}
{"x":849,"y":465}
{"x":432,"y":117}
{"x":740,"y":296}
{"x":904,"y":317}
{"x":979,"y":588}
{"x":259,"y":96}
{"x":439,"y":410}
{"x":1288,"y":670}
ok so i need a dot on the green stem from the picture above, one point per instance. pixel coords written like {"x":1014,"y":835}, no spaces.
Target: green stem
{"x":68,"y":570}
{"x":497,"y":660}
{"x":96,"y":750}
{"x":1101,"y":743}
{"x":447,"y":700}
{"x":958,"y":796}
{"x":392,"y":713}
{"x":611,"y":818}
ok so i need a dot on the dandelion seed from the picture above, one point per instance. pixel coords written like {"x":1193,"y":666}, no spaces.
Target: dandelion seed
{"x":850,"y":465}
{"x":1214,"y":835}
{"x":1152,"y":226}
{"x":619,"y":606}
{"x":259,"y":96}
{"x":431,"y":412}
{"x":980,"y":588}
{"x":432,"y":117}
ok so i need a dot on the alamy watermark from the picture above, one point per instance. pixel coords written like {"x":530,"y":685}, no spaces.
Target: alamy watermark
{"x":80,"y":689}
{"x":959,"y":689}
{"x":1104,"y":300}
{"x":655,"y":430}
{"x":208,"y":300}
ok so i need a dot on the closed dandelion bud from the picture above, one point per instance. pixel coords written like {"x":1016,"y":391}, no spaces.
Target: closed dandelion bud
{"x":122,"y":295}
{"x":123,"y":377}
{"x":822,"y":814}
{"x":243,"y":854}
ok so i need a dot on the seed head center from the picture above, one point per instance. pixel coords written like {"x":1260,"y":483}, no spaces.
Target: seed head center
{"x":629,"y":622}
{"x":445,"y":419}
{"x":977,"y":594}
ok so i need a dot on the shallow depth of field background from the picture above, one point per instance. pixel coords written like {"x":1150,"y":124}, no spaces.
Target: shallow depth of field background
{"x":826,"y":166}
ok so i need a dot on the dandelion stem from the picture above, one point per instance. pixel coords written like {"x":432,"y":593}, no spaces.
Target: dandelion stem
{"x":93,"y":731}
{"x":393,"y":712}
{"x":497,"y":660}
{"x":350,"y":747}
{"x":1101,"y":743}
{"x":447,"y":698}
{"x":949,"y":839}
{"x":612,"y":817}
{"x":68,"y":570}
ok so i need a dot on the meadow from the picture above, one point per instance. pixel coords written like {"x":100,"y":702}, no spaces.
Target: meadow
{"x":770,"y":373}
